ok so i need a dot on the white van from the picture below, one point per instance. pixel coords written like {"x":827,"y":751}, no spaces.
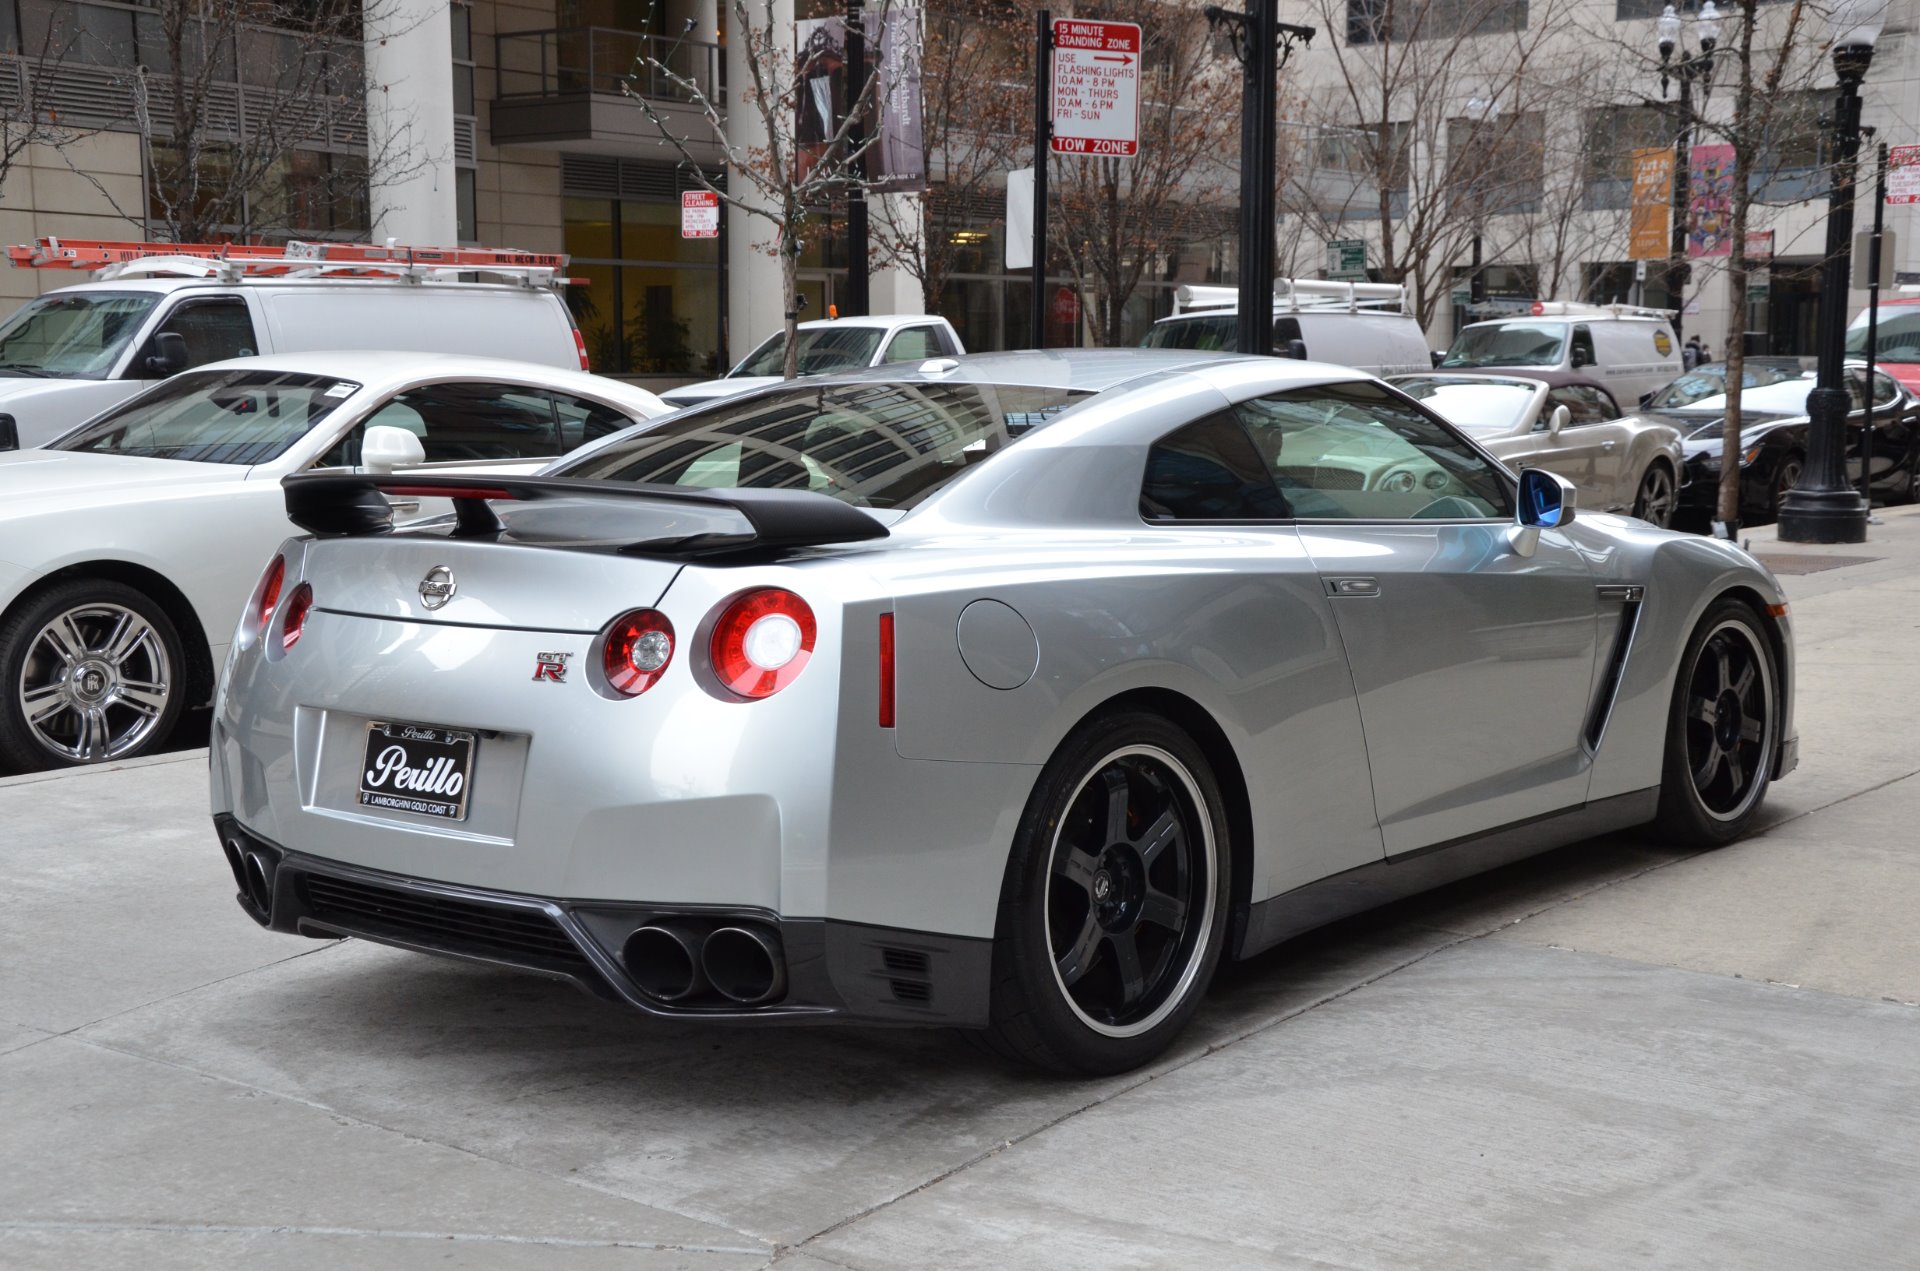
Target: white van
{"x":1629,"y":349}
{"x":1363,"y":325}
{"x":70,"y":354}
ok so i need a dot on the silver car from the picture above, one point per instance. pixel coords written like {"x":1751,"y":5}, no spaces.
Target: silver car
{"x":1012,"y":695}
{"x":1630,"y":464}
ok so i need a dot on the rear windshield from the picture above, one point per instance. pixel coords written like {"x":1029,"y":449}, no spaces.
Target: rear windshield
{"x":871,"y":445}
{"x":1509,"y":344}
{"x":821,"y":349}
{"x":1213,"y":333}
{"x":72,"y":335}
{"x":239,"y":417}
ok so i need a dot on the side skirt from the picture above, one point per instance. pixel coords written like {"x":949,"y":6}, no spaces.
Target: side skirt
{"x":1367,"y":887}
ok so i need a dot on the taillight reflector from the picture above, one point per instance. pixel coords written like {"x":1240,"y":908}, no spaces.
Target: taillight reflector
{"x":761,"y":641}
{"x":639,"y":645}
{"x":886,"y":670}
{"x":299,"y":605}
{"x":580,"y":346}
{"x":269,"y":592}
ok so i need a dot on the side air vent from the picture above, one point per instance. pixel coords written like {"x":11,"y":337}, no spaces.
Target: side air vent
{"x":1616,"y":666}
{"x":912,"y":991}
{"x":905,"y":961}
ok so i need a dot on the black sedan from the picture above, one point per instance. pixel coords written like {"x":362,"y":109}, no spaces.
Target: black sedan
{"x":1773,"y":442}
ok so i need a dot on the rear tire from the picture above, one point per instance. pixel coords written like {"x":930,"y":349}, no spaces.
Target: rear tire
{"x":1784,"y":479}
{"x":1723,"y":729}
{"x":1113,"y":912}
{"x":1655,"y":501}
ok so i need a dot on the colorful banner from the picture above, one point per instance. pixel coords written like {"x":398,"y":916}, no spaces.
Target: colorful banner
{"x":1710,"y":201}
{"x":1652,"y":204}
{"x":897,"y":161}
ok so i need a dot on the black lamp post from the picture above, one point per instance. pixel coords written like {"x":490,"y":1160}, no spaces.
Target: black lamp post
{"x":1480,"y":112}
{"x":1262,"y":43}
{"x":1822,"y":507}
{"x":1690,"y":67}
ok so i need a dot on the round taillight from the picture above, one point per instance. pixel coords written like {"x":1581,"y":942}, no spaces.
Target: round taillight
{"x":268,"y":593}
{"x":299,"y":605}
{"x":639,"y":646}
{"x":761,"y":641}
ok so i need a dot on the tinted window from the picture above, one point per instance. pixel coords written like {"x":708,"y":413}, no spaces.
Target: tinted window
{"x":214,"y":330}
{"x":462,"y":423}
{"x":1711,"y":381}
{"x":821,"y":349}
{"x":915,"y":344}
{"x":1355,"y":452}
{"x":241,"y":417}
{"x":1209,"y":471}
{"x":76,"y":335}
{"x":1208,"y":333}
{"x":872,"y":445}
{"x":582,"y":421}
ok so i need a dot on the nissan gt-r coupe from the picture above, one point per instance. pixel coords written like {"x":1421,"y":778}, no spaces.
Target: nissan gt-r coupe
{"x":1011,"y":693}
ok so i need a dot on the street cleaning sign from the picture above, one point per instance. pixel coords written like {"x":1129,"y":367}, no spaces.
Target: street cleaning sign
{"x":699,"y":214}
{"x":1903,"y":174}
{"x":1096,"y":88}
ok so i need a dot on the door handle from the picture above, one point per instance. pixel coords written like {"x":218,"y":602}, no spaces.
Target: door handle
{"x":1353,"y":586}
{"x":1607,"y":446}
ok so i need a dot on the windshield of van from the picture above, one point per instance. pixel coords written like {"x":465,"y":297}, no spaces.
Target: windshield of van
{"x":821,"y":349}
{"x":239,"y":417}
{"x":1482,"y":407}
{"x":72,"y":335}
{"x":1895,"y":339}
{"x":1509,"y":344}
{"x":871,"y":445}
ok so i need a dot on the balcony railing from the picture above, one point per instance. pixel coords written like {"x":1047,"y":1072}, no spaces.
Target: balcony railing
{"x":606,"y":61}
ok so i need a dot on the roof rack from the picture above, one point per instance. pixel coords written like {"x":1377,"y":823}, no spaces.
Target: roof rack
{"x":1576,"y":309}
{"x":239,"y":262}
{"x":1301,"y":293}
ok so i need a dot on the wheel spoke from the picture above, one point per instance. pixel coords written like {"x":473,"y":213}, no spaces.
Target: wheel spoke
{"x":44,"y":702}
{"x":1118,"y":797}
{"x":1163,"y":909}
{"x":1743,"y":683}
{"x":1076,"y":866}
{"x":1751,"y":729}
{"x":1126,"y":958}
{"x":1722,"y":668}
{"x":128,"y":635}
{"x":1702,"y":709}
{"x":1164,"y":831}
{"x":65,"y":639}
{"x":1735,"y":775}
{"x":1075,"y":962}
{"x":148,"y":699}
{"x":1709,"y":764}
{"x":95,"y":738}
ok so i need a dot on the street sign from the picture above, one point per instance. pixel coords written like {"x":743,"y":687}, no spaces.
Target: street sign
{"x":1347,"y":259}
{"x":1862,"y":246}
{"x":1903,"y":174}
{"x":699,"y":214}
{"x":1096,"y":87}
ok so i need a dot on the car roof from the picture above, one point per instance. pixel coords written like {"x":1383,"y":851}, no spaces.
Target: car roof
{"x":386,"y":370}
{"x":1081,"y":370}
{"x":1517,"y":381}
{"x":873,"y":320}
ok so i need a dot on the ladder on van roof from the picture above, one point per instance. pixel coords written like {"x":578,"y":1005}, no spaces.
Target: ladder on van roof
{"x":239,"y":262}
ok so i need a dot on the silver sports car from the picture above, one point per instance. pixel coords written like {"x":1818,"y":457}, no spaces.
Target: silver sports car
{"x":1013,"y":694}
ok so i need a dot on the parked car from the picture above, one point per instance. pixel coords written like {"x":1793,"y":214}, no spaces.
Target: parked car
{"x":1361,"y":325}
{"x":832,"y":344}
{"x":1710,"y":380}
{"x":72,"y":353}
{"x":1012,"y":695}
{"x":128,"y":547}
{"x":1619,"y":465}
{"x":1630,"y":350}
{"x":1773,"y":443}
{"x":1896,"y":336}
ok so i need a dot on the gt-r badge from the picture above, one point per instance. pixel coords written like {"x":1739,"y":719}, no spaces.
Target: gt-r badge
{"x":551,"y":666}
{"x":437,"y":587}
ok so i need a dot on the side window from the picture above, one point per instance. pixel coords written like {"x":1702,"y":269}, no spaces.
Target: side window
{"x":463,"y":423}
{"x":1583,"y":354}
{"x":1354,"y":452}
{"x":1582,"y":403}
{"x":943,"y":342}
{"x":1285,"y":332}
{"x":1884,"y":389}
{"x":1856,"y":389}
{"x":214,"y":329}
{"x":1209,"y":471}
{"x":582,"y":421}
{"x":915,"y":344}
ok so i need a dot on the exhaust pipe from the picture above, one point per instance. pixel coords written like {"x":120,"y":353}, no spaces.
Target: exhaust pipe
{"x":745,"y":964}
{"x":664,"y":960}
{"x":259,"y":882}
{"x":237,"y":862}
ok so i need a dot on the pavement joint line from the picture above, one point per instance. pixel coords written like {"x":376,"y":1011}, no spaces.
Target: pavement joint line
{"x":100,"y":769}
{"x":341,"y":1114}
{"x":374,"y":1233}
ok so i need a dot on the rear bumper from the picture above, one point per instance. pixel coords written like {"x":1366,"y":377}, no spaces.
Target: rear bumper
{"x":834,"y":971}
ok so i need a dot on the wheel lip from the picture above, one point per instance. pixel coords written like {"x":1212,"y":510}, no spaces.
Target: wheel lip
{"x":1178,"y":994}
{"x":1768,"y":739}
{"x":120,"y":743}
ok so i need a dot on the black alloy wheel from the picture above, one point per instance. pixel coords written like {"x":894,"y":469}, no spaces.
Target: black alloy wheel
{"x":1114,"y":909}
{"x":1785,"y":477}
{"x":1724,"y":729}
{"x":1655,"y":501}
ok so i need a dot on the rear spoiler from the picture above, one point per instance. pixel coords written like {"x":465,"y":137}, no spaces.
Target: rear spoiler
{"x":342,"y":505}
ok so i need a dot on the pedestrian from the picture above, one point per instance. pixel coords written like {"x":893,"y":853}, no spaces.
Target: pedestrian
{"x":1705,"y":355}
{"x":1690,"y":356}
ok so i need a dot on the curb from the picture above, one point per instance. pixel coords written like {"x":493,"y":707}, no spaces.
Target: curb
{"x":63,"y":774}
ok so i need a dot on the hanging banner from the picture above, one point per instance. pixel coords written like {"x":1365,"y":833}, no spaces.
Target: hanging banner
{"x":897,"y":161}
{"x":1903,"y":174}
{"x":1651,"y":208}
{"x":1710,"y":202}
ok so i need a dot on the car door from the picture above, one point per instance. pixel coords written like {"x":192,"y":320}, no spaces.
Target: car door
{"x":1576,"y":451}
{"x":214,"y":328}
{"x":1594,"y":424}
{"x":1893,"y":430}
{"x":1473,"y":665}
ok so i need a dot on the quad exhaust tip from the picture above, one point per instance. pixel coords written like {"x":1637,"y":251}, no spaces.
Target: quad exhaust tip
{"x":744,"y":964}
{"x":258,"y":882}
{"x":681,"y":960}
{"x":664,"y":960}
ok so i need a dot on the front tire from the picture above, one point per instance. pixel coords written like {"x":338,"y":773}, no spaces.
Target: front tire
{"x":1655,"y":501}
{"x":1785,"y":477}
{"x":90,"y":671}
{"x":1723,"y":729}
{"x":1114,"y":908}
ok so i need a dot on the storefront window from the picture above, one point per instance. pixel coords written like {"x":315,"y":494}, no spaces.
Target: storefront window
{"x":652,"y":303}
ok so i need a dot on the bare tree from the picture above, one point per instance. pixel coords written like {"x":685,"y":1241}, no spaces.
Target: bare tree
{"x":29,"y":117}
{"x":785,"y":180}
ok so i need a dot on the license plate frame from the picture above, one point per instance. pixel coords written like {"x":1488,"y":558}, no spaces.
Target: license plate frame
{"x":433,"y":788}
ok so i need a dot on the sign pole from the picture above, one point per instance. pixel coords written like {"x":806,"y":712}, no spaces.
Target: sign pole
{"x":857,"y":298}
{"x":1873,"y":320}
{"x":1042,"y":136}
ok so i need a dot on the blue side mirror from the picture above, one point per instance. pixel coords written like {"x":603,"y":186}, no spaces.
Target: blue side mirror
{"x":1546,"y":502}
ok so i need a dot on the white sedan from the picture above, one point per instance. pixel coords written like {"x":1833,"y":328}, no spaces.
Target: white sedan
{"x":832,"y":345}
{"x":1573,"y":430}
{"x":128,"y":547}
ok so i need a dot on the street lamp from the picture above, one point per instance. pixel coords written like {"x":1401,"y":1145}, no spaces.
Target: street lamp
{"x":1822,"y":507}
{"x":1261,"y":43}
{"x":1689,"y":67}
{"x":1480,"y":111}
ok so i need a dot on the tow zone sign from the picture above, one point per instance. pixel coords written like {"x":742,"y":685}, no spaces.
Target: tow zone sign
{"x":1096,"y":87}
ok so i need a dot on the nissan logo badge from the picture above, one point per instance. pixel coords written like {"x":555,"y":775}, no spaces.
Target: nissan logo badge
{"x":437,"y":587}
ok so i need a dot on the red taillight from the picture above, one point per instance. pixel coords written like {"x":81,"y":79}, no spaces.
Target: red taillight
{"x":639,"y":646}
{"x":580,"y":346}
{"x":299,"y":604}
{"x":886,"y":670}
{"x":761,"y":641}
{"x":268,"y":593}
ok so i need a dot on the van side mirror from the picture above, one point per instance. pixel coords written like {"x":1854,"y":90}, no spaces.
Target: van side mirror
{"x":9,"y":433}
{"x":169,"y":354}
{"x":1297,"y":349}
{"x":1546,"y":502}
{"x":1438,"y":357}
{"x":385,"y":448}
{"x":1559,"y":419}
{"x":1581,"y":359}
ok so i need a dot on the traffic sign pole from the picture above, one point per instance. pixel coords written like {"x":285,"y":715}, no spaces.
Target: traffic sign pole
{"x":1042,"y":136}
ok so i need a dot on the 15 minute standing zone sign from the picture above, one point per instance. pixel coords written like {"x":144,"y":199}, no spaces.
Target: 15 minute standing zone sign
{"x":1096,"y":87}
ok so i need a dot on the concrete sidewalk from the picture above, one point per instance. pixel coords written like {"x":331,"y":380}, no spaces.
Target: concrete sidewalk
{"x":1617,"y":1054}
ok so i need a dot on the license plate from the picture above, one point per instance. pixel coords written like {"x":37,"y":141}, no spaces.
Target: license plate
{"x":417,"y":768}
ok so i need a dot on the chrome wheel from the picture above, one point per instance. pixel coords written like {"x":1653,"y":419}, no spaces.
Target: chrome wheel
{"x":1655,"y":501}
{"x":1730,"y":720}
{"x":1129,"y":900}
{"x":95,"y":683}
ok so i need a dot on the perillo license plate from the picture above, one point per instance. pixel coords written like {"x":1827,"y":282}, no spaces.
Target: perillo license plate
{"x":417,"y":768}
